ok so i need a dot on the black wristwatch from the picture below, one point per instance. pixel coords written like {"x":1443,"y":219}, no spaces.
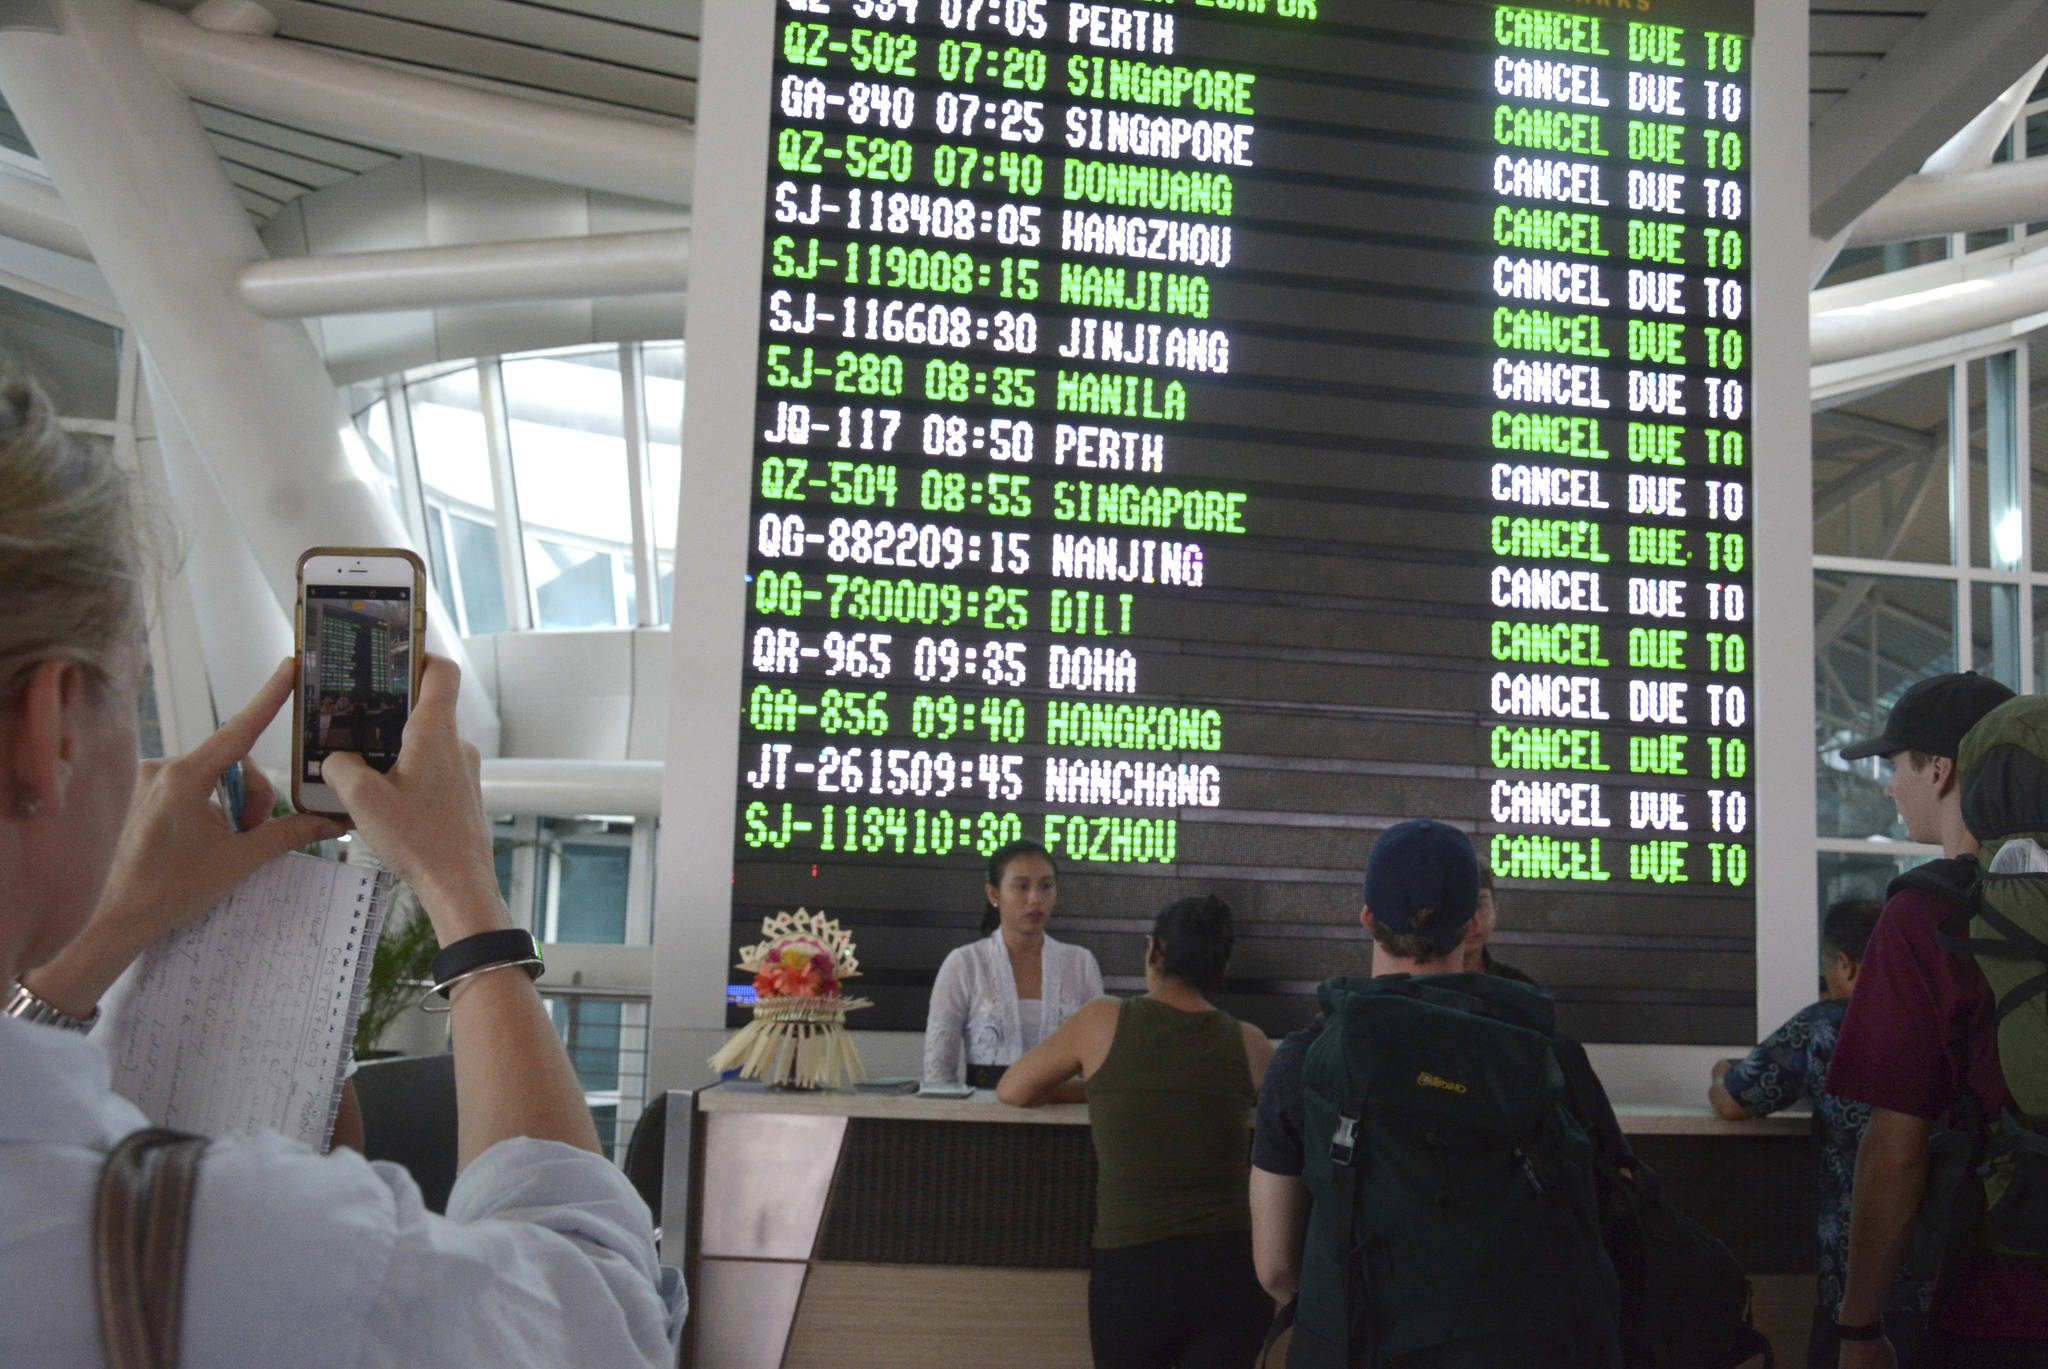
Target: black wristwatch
{"x":484,"y":951}
{"x":1870,"y":1330}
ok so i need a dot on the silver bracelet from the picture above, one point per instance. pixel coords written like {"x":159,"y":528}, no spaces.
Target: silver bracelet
{"x":29,"y":1006}
{"x":427,"y":1003}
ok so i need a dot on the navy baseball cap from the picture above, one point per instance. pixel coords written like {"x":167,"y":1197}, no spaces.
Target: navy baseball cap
{"x":1932,"y":716}
{"x":1421,"y":864}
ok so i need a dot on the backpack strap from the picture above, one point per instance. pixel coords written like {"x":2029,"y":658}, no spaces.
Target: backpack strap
{"x":142,"y":1214}
{"x":1950,"y":878}
{"x":2013,"y":942}
{"x":1344,"y":1157}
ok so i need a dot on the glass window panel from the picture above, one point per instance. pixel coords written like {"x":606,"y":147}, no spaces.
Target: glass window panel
{"x":437,"y":559}
{"x":662,"y":368}
{"x":1846,"y":875}
{"x":374,"y":423}
{"x":2040,"y":639}
{"x":1860,"y":263}
{"x":590,"y":895}
{"x":1996,"y":535}
{"x":604,"y":1115}
{"x":11,"y":135}
{"x":594,"y":1044}
{"x":77,"y":360}
{"x":590,"y":1031}
{"x":373,"y":426}
{"x":501,"y":861}
{"x":572,"y":586}
{"x":569,"y":447}
{"x":1873,"y":636}
{"x":448,"y":435}
{"x":1995,"y":633}
{"x":476,"y":568}
{"x":2037,"y":445}
{"x":1880,"y":473}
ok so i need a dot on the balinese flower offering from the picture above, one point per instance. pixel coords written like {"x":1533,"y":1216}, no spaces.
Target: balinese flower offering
{"x":798,"y":1035}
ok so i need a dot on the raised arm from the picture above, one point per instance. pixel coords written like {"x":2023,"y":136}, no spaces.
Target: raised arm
{"x":1050,"y":1072}
{"x":178,"y":856}
{"x":425,"y":819}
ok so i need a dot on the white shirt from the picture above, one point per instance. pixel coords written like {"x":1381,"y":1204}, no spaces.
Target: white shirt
{"x":324,"y":1262}
{"x":1030,"y":1023}
{"x":974,"y":1018}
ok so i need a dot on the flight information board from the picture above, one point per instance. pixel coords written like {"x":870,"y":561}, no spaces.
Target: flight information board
{"x":1197,"y":434}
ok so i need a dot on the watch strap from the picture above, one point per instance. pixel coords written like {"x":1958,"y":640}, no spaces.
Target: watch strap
{"x":1869,"y":1330}
{"x":509,"y":946}
{"x":27,"y":1005}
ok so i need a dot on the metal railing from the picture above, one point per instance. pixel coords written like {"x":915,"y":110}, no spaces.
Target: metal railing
{"x":605,"y":1033}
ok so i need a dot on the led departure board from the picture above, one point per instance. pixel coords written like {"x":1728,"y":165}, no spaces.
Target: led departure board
{"x":1197,"y":434}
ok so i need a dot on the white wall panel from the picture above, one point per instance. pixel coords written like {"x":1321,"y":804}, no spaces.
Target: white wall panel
{"x":566,"y":695}
{"x":422,"y":202}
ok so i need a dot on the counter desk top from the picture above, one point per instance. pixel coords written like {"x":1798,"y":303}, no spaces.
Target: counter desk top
{"x":1636,"y":1119}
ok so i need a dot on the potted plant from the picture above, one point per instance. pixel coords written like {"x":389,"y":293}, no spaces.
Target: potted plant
{"x":398,"y":972}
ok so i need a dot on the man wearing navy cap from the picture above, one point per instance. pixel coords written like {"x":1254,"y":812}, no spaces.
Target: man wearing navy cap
{"x":1920,"y":1042}
{"x":1421,"y":891}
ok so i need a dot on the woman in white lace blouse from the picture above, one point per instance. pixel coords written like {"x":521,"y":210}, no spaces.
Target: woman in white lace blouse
{"x":998,"y":997}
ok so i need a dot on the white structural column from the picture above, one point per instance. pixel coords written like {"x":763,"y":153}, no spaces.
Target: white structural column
{"x":693,"y":909}
{"x":1932,"y":81}
{"x":544,"y":788}
{"x":300,"y":85}
{"x":33,"y":213}
{"x":1927,"y":206}
{"x":243,"y":630}
{"x":475,"y":273}
{"x":1781,"y":492}
{"x":2006,"y":291}
{"x":155,"y":207}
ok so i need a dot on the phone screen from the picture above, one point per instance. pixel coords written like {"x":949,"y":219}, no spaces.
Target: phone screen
{"x":355,"y":675}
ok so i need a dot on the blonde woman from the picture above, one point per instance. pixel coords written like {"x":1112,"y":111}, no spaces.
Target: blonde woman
{"x":296,"y":1258}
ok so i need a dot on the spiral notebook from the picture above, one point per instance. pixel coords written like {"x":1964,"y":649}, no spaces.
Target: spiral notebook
{"x":241,"y":1022}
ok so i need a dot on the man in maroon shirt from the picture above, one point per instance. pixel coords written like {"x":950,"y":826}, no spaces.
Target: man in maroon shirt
{"x":1918,"y":1034}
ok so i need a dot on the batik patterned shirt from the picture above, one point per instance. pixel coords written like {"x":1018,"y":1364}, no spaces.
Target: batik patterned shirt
{"x":1790,"y":1065}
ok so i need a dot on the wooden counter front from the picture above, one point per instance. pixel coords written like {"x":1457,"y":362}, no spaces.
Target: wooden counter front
{"x":841,"y":1229}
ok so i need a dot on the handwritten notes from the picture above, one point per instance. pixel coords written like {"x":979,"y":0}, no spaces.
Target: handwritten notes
{"x":241,"y":1022}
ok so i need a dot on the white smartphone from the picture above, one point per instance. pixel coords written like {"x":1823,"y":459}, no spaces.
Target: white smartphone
{"x":361,"y":633}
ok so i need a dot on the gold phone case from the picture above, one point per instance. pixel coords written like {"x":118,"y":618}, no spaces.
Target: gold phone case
{"x":419,"y":652}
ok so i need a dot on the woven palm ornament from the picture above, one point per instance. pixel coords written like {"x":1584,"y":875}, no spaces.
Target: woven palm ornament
{"x":798,"y":1036}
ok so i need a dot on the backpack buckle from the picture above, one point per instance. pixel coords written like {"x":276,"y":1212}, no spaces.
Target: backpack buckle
{"x":1345,"y":1143}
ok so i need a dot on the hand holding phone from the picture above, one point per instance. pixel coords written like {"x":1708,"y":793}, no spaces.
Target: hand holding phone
{"x":425,"y":819}
{"x":361,"y":624}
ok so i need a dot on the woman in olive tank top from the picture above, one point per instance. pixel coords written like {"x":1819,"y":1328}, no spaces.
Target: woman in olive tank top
{"x":1170,"y":1083}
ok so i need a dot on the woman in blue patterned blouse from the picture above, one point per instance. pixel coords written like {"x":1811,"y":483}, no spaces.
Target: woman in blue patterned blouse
{"x":1792,"y":1065}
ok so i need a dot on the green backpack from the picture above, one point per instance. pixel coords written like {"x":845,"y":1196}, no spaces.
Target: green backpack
{"x":1455,"y":1223}
{"x":2002,"y":923}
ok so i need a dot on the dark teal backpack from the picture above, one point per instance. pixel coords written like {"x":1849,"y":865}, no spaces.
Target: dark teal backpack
{"x":1455,"y":1223}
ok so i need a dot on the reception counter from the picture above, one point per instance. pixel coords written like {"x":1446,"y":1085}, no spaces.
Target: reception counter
{"x":846,"y":1229}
